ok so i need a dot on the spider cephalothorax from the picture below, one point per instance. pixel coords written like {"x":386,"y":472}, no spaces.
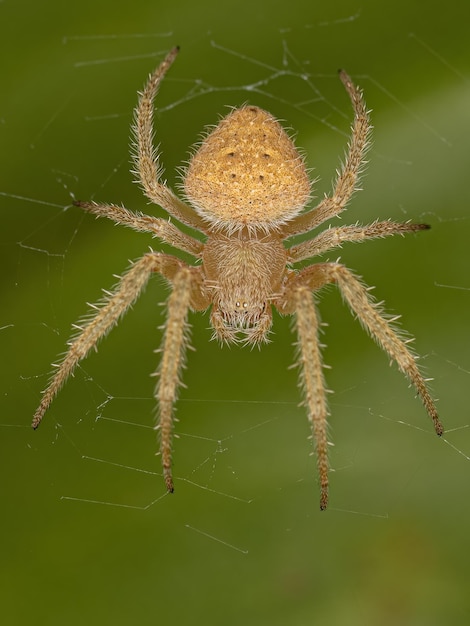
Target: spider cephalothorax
{"x":247,"y":186}
{"x":243,"y":275}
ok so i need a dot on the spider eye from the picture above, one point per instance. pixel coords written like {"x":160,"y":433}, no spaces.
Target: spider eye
{"x":243,"y":305}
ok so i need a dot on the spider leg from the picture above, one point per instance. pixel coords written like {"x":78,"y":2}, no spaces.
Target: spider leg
{"x":348,"y":177}
{"x":163,"y":229}
{"x":146,"y":159}
{"x":173,"y":354}
{"x":297,"y":299}
{"x":335,"y":237}
{"x":108,"y":314}
{"x":380,"y":328}
{"x":378,"y":325}
{"x":311,"y":372}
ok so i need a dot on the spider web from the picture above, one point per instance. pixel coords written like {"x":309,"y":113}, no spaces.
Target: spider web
{"x":239,"y":413}
{"x":85,"y":513}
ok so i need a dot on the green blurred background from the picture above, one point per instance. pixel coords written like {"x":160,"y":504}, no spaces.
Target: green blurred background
{"x":88,"y":534}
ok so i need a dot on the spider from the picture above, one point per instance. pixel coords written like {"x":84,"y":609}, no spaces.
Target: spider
{"x":246,"y":187}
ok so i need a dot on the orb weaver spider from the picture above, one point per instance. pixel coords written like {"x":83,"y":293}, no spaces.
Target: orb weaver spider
{"x":246,"y":188}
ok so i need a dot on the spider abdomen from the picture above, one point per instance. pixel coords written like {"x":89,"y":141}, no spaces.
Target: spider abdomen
{"x":247,"y":173}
